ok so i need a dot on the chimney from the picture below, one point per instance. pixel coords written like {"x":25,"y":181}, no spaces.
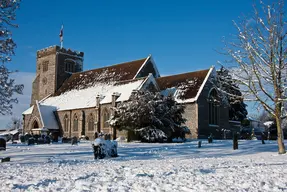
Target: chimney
{"x":98,"y":101}
{"x":115,"y":96}
{"x":98,"y":122}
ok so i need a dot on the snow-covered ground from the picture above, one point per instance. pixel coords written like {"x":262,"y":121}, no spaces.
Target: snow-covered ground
{"x":146,"y":167}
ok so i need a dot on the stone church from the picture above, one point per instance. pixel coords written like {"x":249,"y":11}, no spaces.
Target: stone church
{"x":67,"y":101}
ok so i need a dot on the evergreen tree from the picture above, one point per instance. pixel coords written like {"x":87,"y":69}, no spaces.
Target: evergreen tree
{"x":154,"y":117}
{"x":237,"y":107}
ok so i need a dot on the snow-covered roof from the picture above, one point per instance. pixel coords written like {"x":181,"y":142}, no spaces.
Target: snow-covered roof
{"x":28,"y":111}
{"x":85,"y":98}
{"x":47,"y":116}
{"x":119,"y":72}
{"x":9,"y":132}
{"x":185,"y":87}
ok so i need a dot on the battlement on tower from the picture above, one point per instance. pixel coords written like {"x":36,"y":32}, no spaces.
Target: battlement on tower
{"x":54,"y":49}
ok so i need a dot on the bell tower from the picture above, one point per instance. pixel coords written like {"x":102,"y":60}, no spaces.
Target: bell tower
{"x":53,"y":66}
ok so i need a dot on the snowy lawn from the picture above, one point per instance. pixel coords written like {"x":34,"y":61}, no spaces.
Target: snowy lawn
{"x":146,"y":167}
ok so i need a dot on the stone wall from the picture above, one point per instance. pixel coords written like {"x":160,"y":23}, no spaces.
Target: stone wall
{"x":26,"y":121}
{"x":61,"y":115}
{"x":90,"y":112}
{"x":62,"y":73}
{"x":190,"y":114}
{"x":204,"y":129}
{"x":46,"y":71}
{"x":35,"y":91}
{"x":29,"y":120}
{"x":103,"y":108}
{"x":83,"y":122}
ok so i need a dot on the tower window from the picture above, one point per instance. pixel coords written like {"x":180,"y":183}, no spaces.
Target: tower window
{"x":45,"y":66}
{"x":70,"y":65}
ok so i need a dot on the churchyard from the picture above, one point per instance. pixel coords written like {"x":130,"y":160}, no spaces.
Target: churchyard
{"x":145,"y":167}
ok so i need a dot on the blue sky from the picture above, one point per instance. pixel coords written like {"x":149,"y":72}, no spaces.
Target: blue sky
{"x":182,"y":36}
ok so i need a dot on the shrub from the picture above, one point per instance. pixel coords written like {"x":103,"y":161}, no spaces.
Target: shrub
{"x":22,"y":139}
{"x":31,"y":141}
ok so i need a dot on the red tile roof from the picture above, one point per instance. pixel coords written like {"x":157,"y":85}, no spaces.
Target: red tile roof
{"x":118,"y":72}
{"x":188,"y":83}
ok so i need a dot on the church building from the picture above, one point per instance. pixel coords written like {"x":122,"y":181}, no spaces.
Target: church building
{"x":68,"y":101}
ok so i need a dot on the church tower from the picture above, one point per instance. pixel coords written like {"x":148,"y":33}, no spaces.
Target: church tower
{"x":53,"y":66}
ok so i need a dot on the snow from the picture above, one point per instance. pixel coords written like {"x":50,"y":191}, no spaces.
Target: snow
{"x":48,"y":117}
{"x":87,"y":97}
{"x":180,"y":91}
{"x":168,"y":91}
{"x":175,"y":92}
{"x":107,"y":146}
{"x":28,"y":111}
{"x":10,"y":132}
{"x":124,"y":91}
{"x":268,"y":123}
{"x":190,"y":100}
{"x":146,"y":167}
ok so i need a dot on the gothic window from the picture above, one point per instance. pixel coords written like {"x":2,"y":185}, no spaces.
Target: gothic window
{"x":45,"y":66}
{"x":213,"y":107}
{"x":66,"y":123}
{"x":106,"y":118}
{"x":76,"y":123}
{"x":35,"y":124}
{"x":91,"y":122}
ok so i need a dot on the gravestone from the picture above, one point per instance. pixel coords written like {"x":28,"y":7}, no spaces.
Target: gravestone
{"x":199,"y":144}
{"x":22,"y":139}
{"x":31,"y":141}
{"x":96,"y":135}
{"x":235,"y":141}
{"x":210,"y":138}
{"x":74,"y":141}
{"x":104,"y":148}
{"x":262,"y":138}
{"x":2,"y":144}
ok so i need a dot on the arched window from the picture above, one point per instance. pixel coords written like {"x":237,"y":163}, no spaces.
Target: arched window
{"x":76,"y":123}
{"x":66,"y":123}
{"x":91,"y":122}
{"x":106,"y":118}
{"x":213,"y":108}
{"x":35,"y":124}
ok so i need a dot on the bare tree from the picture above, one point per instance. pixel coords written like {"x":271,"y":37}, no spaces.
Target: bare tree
{"x":259,"y":51}
{"x":7,"y":46}
{"x":15,"y":123}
